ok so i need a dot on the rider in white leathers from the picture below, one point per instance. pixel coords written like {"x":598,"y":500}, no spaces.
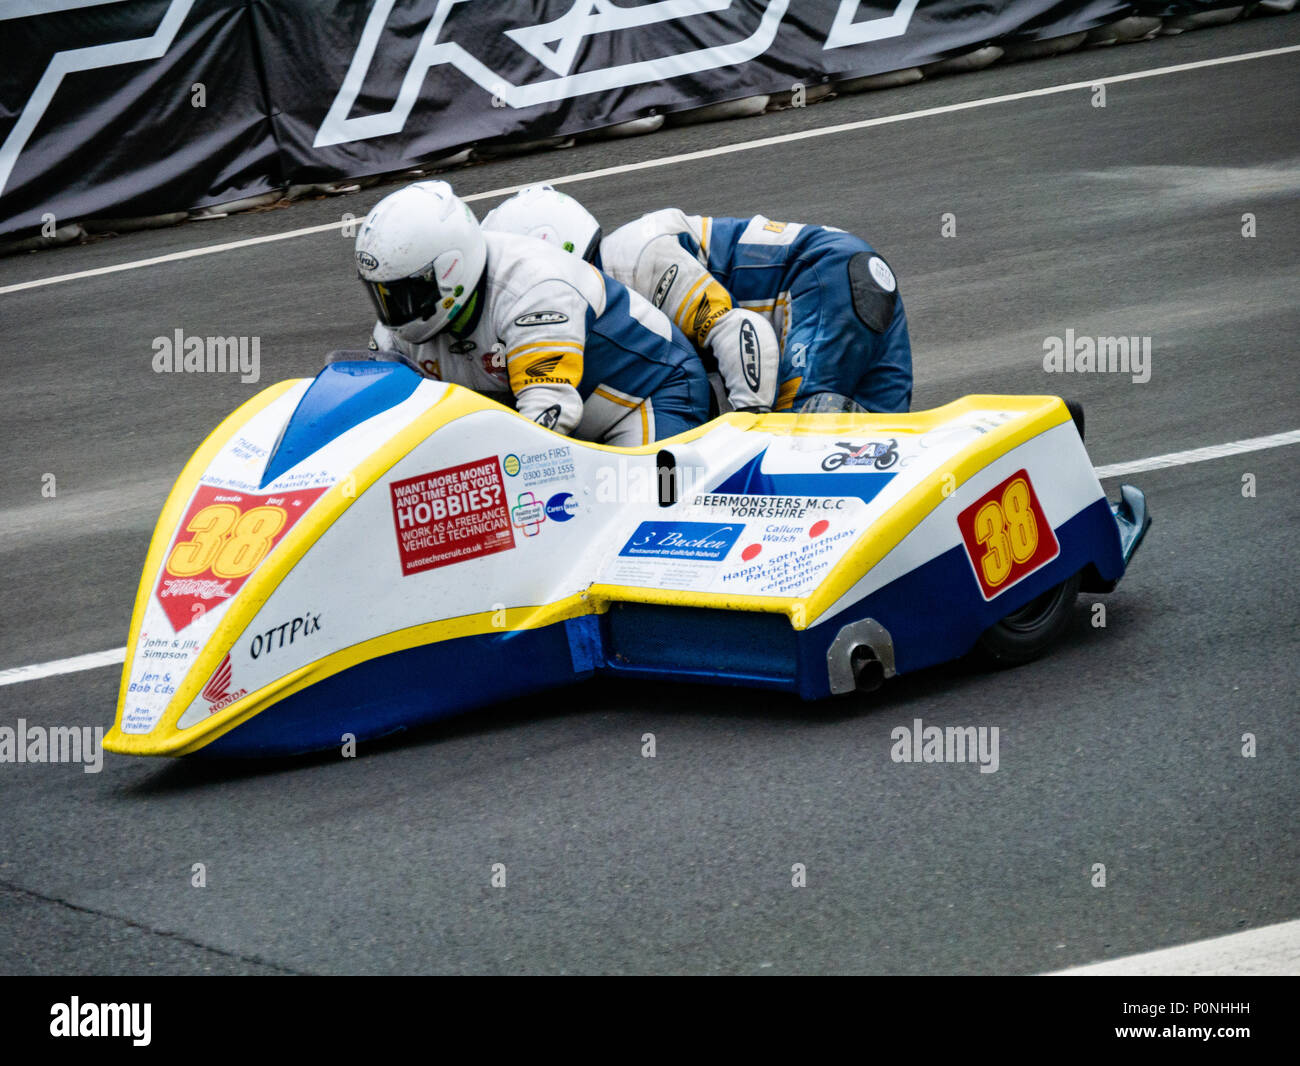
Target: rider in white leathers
{"x":507,"y":315}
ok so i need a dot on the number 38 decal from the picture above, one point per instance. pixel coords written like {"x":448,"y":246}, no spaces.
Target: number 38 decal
{"x":222,"y":539}
{"x":1007,"y":536}
{"x":230,"y":541}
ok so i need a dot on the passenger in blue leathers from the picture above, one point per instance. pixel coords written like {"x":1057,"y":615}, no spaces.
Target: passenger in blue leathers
{"x":833,"y":302}
{"x":794,"y":317}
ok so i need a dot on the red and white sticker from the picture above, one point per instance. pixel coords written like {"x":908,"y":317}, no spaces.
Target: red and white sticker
{"x":223,"y":538}
{"x":1007,"y":535}
{"x":219,"y":691}
{"x":451,"y":515}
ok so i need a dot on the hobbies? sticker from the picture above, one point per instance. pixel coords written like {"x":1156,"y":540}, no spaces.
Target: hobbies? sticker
{"x":1007,"y":536}
{"x":223,"y":537}
{"x":451,"y":515}
{"x":703,"y":541}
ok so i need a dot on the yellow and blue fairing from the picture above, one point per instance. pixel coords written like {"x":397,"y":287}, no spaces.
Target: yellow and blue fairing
{"x":384,"y":644}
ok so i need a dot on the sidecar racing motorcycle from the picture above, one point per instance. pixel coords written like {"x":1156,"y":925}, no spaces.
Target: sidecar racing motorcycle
{"x":368,"y":550}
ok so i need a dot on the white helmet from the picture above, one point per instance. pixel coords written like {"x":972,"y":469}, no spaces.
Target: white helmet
{"x":539,"y":211}
{"x":421,"y":254}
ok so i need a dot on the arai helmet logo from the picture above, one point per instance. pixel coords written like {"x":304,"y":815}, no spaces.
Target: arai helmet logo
{"x":366,"y":261}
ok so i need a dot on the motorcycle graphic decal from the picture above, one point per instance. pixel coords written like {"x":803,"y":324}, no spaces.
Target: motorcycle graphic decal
{"x":875,"y":454}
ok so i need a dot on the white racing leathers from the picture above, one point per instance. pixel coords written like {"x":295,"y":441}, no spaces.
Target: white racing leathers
{"x":648,"y":257}
{"x":571,"y":348}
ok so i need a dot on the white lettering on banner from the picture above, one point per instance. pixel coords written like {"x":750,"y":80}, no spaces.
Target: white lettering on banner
{"x":79,"y":59}
{"x":846,"y":31}
{"x":585,"y":18}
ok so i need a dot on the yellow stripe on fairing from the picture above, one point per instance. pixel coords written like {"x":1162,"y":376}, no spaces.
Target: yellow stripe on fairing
{"x":1039,"y":414}
{"x":605,"y":594}
{"x":185,"y":742}
{"x":165,"y":736}
{"x":174,"y":509}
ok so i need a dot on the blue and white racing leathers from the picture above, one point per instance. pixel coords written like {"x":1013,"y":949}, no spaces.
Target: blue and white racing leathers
{"x":570,"y":347}
{"x":831,"y":301}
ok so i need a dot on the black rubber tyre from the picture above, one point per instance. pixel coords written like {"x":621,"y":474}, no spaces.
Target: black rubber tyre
{"x":1025,"y":634}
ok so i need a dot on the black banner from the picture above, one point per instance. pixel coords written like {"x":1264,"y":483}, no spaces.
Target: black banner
{"x":348,"y":1016}
{"x":141,"y":107}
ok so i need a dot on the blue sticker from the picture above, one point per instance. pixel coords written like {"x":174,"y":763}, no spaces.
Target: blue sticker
{"x":682,"y":540}
{"x":561,"y":507}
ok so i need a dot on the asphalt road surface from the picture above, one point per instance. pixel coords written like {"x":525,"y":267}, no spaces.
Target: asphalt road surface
{"x":1123,"y":747}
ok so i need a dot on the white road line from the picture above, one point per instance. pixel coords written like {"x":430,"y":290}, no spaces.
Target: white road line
{"x":1273,"y":950}
{"x":116,"y":656}
{"x":686,"y":157}
{"x":93,"y":661}
{"x":1199,"y":455}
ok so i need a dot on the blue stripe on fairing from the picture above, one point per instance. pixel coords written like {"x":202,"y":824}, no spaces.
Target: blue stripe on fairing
{"x":342,"y":397}
{"x":936,"y":612}
{"x":414,"y":687}
{"x":707,"y":645}
{"x":750,"y":480}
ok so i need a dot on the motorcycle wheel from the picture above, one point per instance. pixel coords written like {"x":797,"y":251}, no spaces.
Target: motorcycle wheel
{"x":1025,"y":634}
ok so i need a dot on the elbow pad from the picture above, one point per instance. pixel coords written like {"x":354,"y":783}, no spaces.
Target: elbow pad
{"x":749,"y":358}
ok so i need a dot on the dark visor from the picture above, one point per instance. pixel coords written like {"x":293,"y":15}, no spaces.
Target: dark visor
{"x":404,"y":300}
